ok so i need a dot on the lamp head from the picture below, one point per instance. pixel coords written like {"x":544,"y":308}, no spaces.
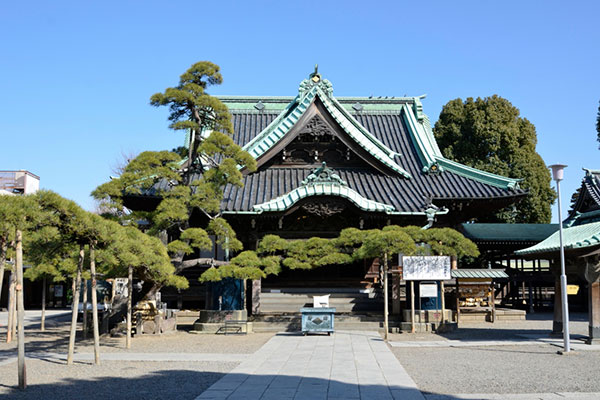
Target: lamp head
{"x":557,"y":171}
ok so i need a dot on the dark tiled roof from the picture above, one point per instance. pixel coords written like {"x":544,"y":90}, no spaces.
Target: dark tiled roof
{"x":405,"y":194}
{"x":585,"y":205}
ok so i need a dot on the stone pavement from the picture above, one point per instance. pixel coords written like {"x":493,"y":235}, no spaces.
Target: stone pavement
{"x":346,"y":365}
{"x":528,"y":396}
{"x":577,"y":342}
{"x":32,"y":317}
{"x":127,"y":356}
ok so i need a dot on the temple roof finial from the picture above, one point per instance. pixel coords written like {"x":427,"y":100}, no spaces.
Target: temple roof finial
{"x":315,"y":76}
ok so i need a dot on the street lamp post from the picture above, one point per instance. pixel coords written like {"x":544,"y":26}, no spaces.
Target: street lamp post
{"x":557,"y":175}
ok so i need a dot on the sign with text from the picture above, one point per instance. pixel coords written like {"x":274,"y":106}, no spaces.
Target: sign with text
{"x":416,"y":268}
{"x":428,"y":290}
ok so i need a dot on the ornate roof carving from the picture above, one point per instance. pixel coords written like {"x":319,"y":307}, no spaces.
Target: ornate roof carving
{"x":323,"y":175}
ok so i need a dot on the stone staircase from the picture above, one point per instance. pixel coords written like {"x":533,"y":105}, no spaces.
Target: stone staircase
{"x":291,"y":322}
{"x":344,"y":300}
{"x":356,"y":309}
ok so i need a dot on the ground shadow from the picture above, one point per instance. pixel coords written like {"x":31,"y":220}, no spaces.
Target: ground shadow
{"x":189,"y":384}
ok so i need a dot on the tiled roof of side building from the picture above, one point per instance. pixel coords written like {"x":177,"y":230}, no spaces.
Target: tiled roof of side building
{"x":493,"y":232}
{"x":588,"y":195}
{"x":575,"y":237}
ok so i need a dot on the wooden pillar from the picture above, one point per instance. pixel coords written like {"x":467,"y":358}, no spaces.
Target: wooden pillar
{"x":592,"y":275}
{"x":443,"y":298}
{"x":492,"y":303}
{"x":412,"y":306}
{"x":530,"y":296}
{"x":396,"y":307}
{"x":594,"y":313}
{"x":457,"y":303}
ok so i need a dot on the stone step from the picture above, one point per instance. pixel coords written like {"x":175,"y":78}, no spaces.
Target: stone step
{"x":338,"y":318}
{"x":310,"y":296}
{"x":297,"y":327}
{"x":290,"y":308}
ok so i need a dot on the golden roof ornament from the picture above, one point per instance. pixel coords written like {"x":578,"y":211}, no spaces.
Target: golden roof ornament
{"x":315,"y":76}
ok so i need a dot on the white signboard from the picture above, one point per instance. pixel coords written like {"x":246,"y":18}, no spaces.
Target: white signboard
{"x":428,"y":290}
{"x":416,"y":268}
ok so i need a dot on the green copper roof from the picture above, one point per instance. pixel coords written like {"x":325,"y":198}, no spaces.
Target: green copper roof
{"x":508,"y":232}
{"x":341,"y":109}
{"x":575,"y":237}
{"x":308,"y":92}
{"x":478,"y":273}
{"x":322,"y":182}
{"x":431,"y":157}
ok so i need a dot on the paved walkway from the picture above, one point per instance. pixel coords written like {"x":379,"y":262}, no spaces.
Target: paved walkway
{"x":577,"y":342}
{"x":346,"y":365}
{"x":33,"y":317}
{"x":127,"y":356}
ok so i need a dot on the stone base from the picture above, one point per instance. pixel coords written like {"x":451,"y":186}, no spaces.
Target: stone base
{"x":424,"y":327}
{"x":213,"y":321}
{"x":428,"y":316}
{"x":212,"y":328}
{"x":447,"y":327}
{"x":216,"y":316}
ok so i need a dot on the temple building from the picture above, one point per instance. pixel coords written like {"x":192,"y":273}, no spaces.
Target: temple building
{"x":326,"y":163}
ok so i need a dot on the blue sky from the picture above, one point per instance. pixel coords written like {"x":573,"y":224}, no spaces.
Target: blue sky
{"x":76,"y":76}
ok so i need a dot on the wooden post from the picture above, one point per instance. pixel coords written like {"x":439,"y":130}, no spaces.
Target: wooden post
{"x":492,"y":303}
{"x":412,"y":306}
{"x":94,"y":304}
{"x":385,"y":297}
{"x":14,"y":308}
{"x":11,"y":307}
{"x":85,"y":308}
{"x":20,"y":310}
{"x":129,"y":300}
{"x":75,"y":311}
{"x":3,"y":250}
{"x":43,"y":323}
{"x":443,"y":302}
{"x":457,"y":302}
{"x":594,"y":313}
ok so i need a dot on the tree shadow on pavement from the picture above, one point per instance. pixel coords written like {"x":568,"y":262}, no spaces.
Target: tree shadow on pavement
{"x":191,"y":384}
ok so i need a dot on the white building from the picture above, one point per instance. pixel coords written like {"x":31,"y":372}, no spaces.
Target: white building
{"x":18,"y":182}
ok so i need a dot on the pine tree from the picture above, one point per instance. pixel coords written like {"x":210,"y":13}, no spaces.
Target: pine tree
{"x":195,"y":182}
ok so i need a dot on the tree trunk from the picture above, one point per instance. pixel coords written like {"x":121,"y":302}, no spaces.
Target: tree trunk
{"x":21,"y":311}
{"x":85,"y":310}
{"x":94,"y":304}
{"x":129,"y":301}
{"x":11,"y":307}
{"x":43,"y":323}
{"x":14,"y":307}
{"x":385,"y":296}
{"x":3,"y":250}
{"x":75,"y":305}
